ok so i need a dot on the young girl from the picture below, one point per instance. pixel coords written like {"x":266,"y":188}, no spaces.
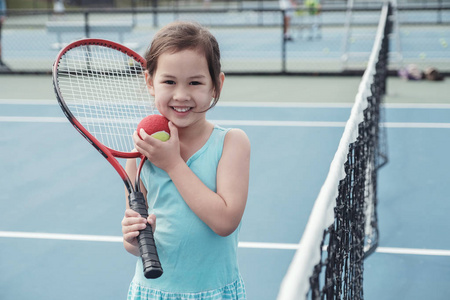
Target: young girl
{"x":196,"y":183}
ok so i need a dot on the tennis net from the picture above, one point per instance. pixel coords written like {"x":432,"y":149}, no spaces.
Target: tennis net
{"x":342,"y":229}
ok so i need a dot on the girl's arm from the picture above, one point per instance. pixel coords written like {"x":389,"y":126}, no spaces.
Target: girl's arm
{"x":221,"y":211}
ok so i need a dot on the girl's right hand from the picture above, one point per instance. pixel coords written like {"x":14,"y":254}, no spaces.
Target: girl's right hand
{"x":132,"y":223}
{"x":164,"y":155}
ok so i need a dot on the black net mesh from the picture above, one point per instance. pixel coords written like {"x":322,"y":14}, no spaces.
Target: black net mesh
{"x":343,"y":228}
{"x":354,"y":233}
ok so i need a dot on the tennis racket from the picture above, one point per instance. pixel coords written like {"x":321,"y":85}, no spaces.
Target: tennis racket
{"x":100,"y":86}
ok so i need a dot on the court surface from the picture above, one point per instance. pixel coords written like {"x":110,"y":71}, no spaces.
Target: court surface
{"x":62,"y":203}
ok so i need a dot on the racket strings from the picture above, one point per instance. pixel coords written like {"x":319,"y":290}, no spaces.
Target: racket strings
{"x":106,"y":92}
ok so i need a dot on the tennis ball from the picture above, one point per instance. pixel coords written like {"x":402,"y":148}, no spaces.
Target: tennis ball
{"x":155,"y":125}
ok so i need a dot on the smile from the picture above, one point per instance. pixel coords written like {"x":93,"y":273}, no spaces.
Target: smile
{"x":181,"y":109}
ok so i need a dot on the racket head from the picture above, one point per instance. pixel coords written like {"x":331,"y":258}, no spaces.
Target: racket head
{"x":100,"y":86}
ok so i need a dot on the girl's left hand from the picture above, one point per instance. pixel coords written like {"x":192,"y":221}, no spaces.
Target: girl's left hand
{"x":164,"y":155}
{"x":132,"y":223}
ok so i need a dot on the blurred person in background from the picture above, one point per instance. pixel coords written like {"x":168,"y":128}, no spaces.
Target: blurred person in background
{"x":313,"y":7}
{"x":2,"y":19}
{"x":58,"y":7}
{"x":288,"y":6}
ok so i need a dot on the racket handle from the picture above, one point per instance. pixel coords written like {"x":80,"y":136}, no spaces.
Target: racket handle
{"x":147,"y":248}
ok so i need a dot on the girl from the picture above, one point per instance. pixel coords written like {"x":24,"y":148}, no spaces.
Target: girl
{"x":196,"y":183}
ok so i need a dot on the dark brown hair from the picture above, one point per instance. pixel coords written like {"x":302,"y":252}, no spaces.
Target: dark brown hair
{"x":178,"y":36}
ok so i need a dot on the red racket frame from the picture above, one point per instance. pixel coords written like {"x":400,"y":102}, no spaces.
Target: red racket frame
{"x":152,"y":266}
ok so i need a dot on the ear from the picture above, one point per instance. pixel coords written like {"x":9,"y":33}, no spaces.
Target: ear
{"x":222,"y":80}
{"x":150,"y":85}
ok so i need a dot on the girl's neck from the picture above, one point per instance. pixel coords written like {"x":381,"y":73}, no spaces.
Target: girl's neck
{"x":193,"y":138}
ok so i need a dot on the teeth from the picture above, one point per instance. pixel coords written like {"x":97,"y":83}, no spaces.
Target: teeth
{"x":181,"y":109}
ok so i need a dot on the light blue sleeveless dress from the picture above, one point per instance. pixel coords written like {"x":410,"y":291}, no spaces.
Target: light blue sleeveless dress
{"x":197,"y":263}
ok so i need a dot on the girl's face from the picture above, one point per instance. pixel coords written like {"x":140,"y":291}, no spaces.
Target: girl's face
{"x":182,"y":87}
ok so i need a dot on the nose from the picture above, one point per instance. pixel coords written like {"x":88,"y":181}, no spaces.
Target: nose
{"x":182,"y":93}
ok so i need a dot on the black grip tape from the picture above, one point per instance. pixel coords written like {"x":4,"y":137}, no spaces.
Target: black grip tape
{"x":147,"y":248}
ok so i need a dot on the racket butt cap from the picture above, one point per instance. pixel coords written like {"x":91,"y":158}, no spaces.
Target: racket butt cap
{"x":152,"y":272}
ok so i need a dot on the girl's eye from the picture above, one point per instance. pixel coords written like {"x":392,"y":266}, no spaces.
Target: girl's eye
{"x":195,"y":83}
{"x":169,"y":82}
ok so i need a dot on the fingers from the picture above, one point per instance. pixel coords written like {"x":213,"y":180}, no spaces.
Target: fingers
{"x":137,"y":137}
{"x":143,"y":134}
{"x":131,"y":213}
{"x":173,"y":130}
{"x":152,"y":221}
{"x":141,"y":142}
{"x":144,"y":142}
{"x":132,"y":223}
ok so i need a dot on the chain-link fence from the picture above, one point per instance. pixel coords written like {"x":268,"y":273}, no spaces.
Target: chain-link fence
{"x":335,"y":39}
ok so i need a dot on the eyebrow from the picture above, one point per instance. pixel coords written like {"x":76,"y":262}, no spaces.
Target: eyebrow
{"x":191,"y":77}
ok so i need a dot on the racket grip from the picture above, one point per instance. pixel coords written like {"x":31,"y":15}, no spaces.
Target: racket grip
{"x":147,"y":248}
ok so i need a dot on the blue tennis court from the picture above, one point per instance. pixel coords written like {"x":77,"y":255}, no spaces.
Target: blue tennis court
{"x":62,"y":204}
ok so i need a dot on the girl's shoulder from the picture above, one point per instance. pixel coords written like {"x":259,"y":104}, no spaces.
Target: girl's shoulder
{"x":231,"y":133}
{"x":236,"y":137}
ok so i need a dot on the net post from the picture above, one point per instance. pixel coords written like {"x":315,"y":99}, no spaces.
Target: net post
{"x":386,"y":43}
{"x":283,"y":43}
{"x":155,"y":13}
{"x":3,"y":15}
{"x":86,"y":24}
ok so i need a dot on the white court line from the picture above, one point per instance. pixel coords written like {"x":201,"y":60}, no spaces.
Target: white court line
{"x":277,"y":246}
{"x":278,"y":123}
{"x":34,"y":119}
{"x":251,"y":245}
{"x":429,"y":252}
{"x":263,"y":104}
{"x":332,"y":105}
{"x":414,"y":125}
{"x":60,"y":236}
{"x":29,"y":101}
{"x":221,"y":122}
{"x":224,"y":103}
{"x":286,"y":104}
{"x":417,"y":105}
{"x":251,"y":123}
